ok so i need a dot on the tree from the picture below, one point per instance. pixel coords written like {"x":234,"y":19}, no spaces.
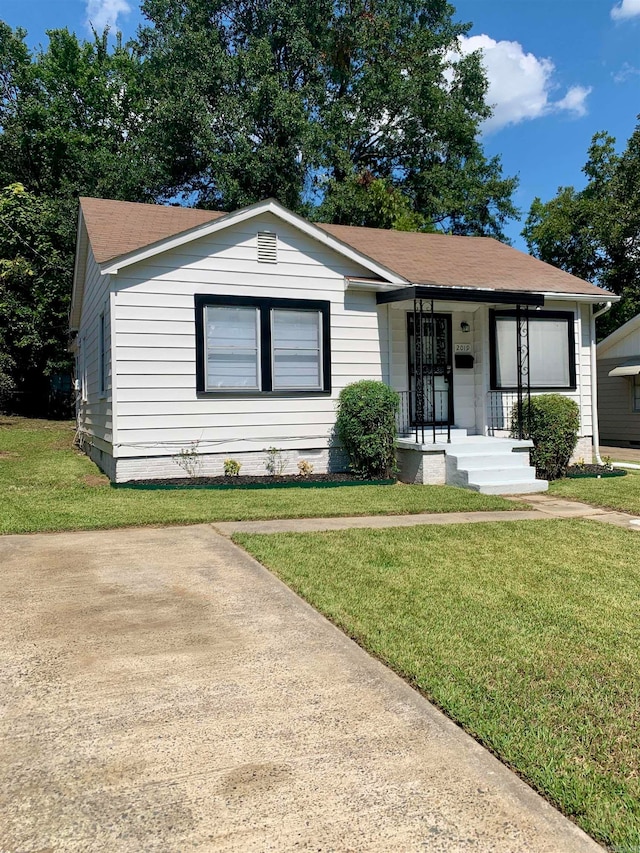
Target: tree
{"x":35,"y":271}
{"x":234,"y":84}
{"x":323,"y":104}
{"x":72,"y":117}
{"x":594,"y":233}
{"x":72,"y":122}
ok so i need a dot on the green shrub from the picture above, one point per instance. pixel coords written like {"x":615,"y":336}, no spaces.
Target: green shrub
{"x":366,"y":426}
{"x":552,"y":422}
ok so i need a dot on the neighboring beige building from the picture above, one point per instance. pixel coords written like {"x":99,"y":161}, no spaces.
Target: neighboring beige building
{"x":619,"y":385}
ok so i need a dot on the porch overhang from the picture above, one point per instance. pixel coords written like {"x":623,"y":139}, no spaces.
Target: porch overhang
{"x":460,"y":294}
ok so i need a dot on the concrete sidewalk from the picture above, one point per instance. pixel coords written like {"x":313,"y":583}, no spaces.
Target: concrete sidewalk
{"x":543,"y":507}
{"x":162,"y":691}
{"x":310,"y":525}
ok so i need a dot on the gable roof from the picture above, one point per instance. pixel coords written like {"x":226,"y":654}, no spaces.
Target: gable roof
{"x":121,"y":233}
{"x":619,"y":334}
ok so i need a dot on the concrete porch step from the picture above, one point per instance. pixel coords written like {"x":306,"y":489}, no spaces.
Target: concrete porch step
{"x":483,"y":463}
{"x":486,"y":476}
{"x":504,"y":459}
{"x":511,"y":487}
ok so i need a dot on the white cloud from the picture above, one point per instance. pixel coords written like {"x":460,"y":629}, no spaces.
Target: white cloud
{"x":520,"y":84}
{"x":627,"y":72}
{"x":626,"y":9}
{"x":574,"y":101}
{"x":104,"y":13}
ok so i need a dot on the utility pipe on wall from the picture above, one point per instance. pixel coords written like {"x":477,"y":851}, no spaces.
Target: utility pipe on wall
{"x":594,"y":384}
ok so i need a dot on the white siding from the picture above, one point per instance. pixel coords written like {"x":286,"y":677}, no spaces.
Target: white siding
{"x":94,"y":412}
{"x":158,"y":410}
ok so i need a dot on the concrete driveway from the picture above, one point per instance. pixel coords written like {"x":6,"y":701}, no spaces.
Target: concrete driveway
{"x":163,"y":692}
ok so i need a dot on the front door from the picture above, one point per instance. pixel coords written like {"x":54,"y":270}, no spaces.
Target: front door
{"x":436,"y":375}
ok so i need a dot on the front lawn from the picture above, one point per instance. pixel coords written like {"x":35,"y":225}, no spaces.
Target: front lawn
{"x":621,"y":493}
{"x":525,"y":633}
{"x":45,"y":484}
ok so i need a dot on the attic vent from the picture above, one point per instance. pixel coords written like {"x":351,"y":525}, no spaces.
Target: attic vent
{"x":267,"y":247}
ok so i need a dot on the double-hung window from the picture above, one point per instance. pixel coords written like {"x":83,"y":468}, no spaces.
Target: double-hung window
{"x":636,"y":393}
{"x":262,"y":345}
{"x":551,"y":350}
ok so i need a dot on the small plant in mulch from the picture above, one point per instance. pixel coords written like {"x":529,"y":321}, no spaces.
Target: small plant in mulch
{"x":305,"y":468}
{"x":188,"y":458}
{"x":276,"y":463}
{"x":232,"y":468}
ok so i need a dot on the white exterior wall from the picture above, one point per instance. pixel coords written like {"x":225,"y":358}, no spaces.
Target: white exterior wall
{"x":158,"y":411}
{"x":94,"y":410}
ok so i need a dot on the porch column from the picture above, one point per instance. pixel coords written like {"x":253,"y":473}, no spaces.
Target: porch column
{"x":522,"y":360}
{"x":418,"y":362}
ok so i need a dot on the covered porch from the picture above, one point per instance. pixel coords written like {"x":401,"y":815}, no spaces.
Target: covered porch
{"x":457,"y":424}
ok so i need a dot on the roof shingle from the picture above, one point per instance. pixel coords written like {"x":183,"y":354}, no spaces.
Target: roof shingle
{"x":117,"y":228}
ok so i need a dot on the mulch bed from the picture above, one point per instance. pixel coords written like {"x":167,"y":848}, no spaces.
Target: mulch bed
{"x":260,"y":482}
{"x":598,"y":471}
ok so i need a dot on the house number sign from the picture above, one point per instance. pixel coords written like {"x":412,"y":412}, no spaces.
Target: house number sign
{"x":462,"y":348}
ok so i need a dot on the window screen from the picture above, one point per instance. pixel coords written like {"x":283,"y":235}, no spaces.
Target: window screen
{"x":295,"y":341}
{"x":232,"y":350}
{"x":550,"y":352}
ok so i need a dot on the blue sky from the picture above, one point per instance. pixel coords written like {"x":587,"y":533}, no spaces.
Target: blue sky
{"x":559,"y":71}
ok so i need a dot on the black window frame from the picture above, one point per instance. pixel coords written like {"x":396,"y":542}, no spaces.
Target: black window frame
{"x":569,"y":316}
{"x":264,"y":305}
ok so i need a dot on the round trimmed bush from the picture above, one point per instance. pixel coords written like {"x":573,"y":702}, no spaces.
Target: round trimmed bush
{"x":552,"y":422}
{"x":366,"y":426}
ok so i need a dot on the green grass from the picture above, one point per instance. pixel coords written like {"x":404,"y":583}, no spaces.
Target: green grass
{"x":525,"y":633}
{"x":46,"y":485}
{"x":621,"y":493}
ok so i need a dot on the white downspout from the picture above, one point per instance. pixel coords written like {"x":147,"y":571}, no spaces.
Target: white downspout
{"x":594,"y":384}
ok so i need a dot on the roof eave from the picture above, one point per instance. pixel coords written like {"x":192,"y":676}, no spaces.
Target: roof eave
{"x":459,"y":293}
{"x":592,"y":298}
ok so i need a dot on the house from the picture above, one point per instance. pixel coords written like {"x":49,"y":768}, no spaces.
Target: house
{"x":619,"y":385}
{"x":221,"y":335}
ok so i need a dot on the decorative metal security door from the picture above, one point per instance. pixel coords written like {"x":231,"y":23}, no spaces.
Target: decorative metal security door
{"x":430,"y":369}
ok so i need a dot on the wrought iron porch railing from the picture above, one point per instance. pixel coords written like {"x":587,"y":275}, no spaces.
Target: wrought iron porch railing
{"x":429,"y":427}
{"x":501,"y":408}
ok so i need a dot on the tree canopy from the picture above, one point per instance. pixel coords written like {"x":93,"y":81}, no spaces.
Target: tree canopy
{"x":594,"y":232}
{"x":320,"y":104}
{"x":355,"y":111}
